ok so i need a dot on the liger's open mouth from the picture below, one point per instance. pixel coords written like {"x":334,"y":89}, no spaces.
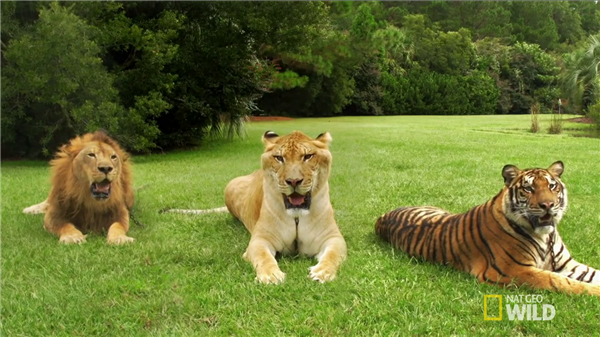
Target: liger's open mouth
{"x":101,"y":190}
{"x":297,"y":201}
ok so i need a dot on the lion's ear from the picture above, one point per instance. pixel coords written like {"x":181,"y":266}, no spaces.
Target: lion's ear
{"x":69,"y":150}
{"x":325,"y":138}
{"x":269,"y":137}
{"x":125,"y":157}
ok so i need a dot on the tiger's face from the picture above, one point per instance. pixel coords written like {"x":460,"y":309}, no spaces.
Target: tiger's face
{"x":298,"y":165}
{"x":536,"y":198}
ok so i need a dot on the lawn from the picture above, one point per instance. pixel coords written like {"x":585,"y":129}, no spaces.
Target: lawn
{"x":184,"y":275}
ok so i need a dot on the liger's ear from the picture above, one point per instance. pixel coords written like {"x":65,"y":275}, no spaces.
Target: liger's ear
{"x":324,"y":138}
{"x":557,"y":168}
{"x":509,"y":172}
{"x":269,"y":137}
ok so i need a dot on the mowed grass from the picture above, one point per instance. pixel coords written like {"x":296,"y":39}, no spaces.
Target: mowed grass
{"x":185,"y":276}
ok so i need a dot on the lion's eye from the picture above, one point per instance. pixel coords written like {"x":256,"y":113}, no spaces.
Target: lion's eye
{"x":91,"y":155}
{"x":113,"y":157}
{"x":278,"y":158}
{"x":308,"y":156}
{"x":528,"y":189}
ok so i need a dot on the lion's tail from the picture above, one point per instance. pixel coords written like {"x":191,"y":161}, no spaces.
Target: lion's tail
{"x":193,"y":211}
{"x":37,"y":208}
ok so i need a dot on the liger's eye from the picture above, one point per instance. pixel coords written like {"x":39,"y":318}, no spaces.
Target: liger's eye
{"x":308,"y":156}
{"x":91,"y":155}
{"x":528,"y":189}
{"x":278,"y":158}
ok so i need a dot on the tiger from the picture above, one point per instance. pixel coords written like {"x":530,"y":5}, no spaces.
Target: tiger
{"x":510,"y":239}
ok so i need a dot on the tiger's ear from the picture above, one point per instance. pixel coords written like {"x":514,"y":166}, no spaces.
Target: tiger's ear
{"x":557,"y":168}
{"x":269,"y":137}
{"x":324,"y":138}
{"x":509,"y":172}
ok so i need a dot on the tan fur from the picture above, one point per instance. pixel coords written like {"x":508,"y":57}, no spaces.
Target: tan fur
{"x":70,"y":210}
{"x":257,"y":201}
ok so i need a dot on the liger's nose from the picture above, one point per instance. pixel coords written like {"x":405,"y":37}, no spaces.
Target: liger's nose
{"x":294,"y":182}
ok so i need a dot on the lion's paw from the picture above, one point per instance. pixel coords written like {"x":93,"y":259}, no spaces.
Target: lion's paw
{"x":72,"y":238}
{"x":274,"y":277}
{"x":119,"y":240}
{"x":321,"y":273}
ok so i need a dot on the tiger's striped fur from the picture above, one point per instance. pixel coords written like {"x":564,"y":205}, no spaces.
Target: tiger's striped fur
{"x":510,"y":238}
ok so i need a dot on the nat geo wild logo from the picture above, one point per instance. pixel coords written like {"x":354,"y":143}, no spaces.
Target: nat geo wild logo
{"x":517,"y":307}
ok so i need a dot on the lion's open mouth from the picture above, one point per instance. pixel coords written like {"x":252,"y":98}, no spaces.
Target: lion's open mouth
{"x":101,"y":190}
{"x":297,"y":201}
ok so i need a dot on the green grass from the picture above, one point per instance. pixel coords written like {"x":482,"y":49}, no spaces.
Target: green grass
{"x":184,"y":275}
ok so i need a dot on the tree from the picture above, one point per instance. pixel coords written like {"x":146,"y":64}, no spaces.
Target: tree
{"x":54,"y":86}
{"x":580,"y":81}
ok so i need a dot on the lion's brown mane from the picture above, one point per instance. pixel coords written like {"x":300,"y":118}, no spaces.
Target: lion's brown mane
{"x":70,"y":197}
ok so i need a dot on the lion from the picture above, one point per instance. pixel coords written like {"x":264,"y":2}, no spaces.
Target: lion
{"x":91,"y":191}
{"x":286,"y":208}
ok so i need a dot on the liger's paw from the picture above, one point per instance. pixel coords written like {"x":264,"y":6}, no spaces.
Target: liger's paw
{"x":274,"y":276}
{"x":119,"y":240}
{"x":322,"y":273}
{"x":72,"y":238}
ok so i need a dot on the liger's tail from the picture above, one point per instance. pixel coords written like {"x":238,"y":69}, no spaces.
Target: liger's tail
{"x":193,"y":211}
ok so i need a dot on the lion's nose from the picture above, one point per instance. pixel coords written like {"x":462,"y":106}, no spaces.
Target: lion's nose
{"x":546,"y":205}
{"x":105,"y":169}
{"x":294,"y":182}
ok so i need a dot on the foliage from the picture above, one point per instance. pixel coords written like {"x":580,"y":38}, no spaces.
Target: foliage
{"x":430,"y":93}
{"x":162,"y":75}
{"x":535,"y":122}
{"x":594,"y":114}
{"x":54,"y":86}
{"x":580,"y":81}
{"x":556,"y":123}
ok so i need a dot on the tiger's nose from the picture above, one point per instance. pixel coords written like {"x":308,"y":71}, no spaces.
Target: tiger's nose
{"x":105,"y":169}
{"x":293,"y":182}
{"x":546,"y":205}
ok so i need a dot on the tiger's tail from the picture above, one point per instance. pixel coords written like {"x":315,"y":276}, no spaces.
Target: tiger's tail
{"x":193,"y":211}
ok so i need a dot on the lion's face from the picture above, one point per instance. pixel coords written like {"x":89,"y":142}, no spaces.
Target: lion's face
{"x":298,"y":164}
{"x":536,"y":198}
{"x":99,"y":165}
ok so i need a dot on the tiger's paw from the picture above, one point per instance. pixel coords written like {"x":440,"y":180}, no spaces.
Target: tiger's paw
{"x":322,"y":273}
{"x":273,"y":276}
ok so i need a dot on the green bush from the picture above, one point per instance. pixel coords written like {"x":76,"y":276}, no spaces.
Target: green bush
{"x":54,"y":86}
{"x":594,"y":114}
{"x":430,"y":93}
